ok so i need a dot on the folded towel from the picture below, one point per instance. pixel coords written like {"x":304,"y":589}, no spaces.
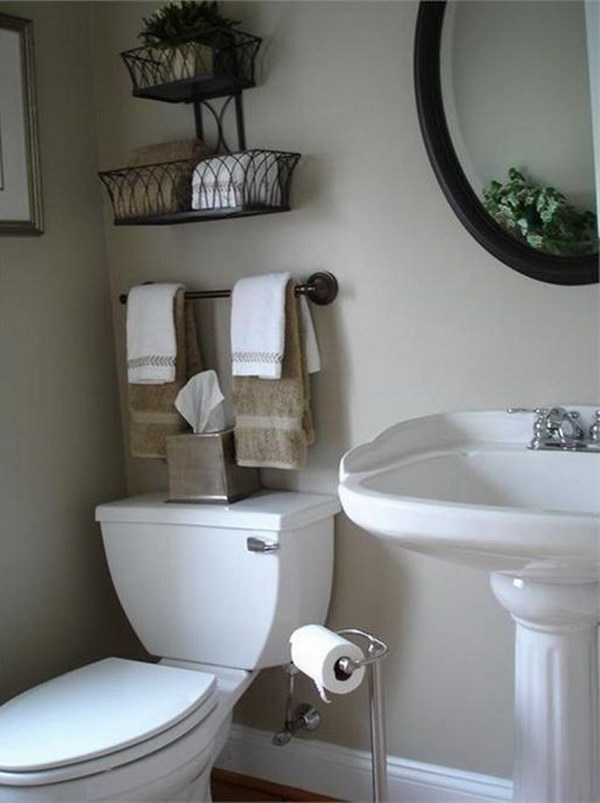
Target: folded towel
{"x":273,"y":417}
{"x":258,"y":325}
{"x":152,"y":413}
{"x":151,"y":342}
{"x":238,"y":179}
{"x":162,"y":182}
{"x":167,"y":152}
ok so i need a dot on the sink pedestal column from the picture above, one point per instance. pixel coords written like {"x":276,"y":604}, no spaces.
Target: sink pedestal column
{"x":556,"y":685}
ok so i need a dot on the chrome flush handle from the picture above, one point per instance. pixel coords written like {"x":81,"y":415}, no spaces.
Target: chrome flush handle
{"x":257,"y":545}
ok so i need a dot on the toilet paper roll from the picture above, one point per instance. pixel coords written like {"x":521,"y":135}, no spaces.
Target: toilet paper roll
{"x":316,"y":651}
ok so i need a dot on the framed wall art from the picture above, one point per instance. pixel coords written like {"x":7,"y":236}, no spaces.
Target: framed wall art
{"x":20,"y":180}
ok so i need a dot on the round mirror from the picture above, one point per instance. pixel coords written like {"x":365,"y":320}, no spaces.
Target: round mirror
{"x":504,"y":104}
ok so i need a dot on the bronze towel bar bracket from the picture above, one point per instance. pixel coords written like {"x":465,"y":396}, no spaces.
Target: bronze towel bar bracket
{"x":320,"y":288}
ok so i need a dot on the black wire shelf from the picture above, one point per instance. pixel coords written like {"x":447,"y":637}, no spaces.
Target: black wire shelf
{"x":218,"y":62}
{"x":252,"y":182}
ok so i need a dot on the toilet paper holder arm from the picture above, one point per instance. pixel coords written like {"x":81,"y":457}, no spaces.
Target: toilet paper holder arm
{"x":376,"y":650}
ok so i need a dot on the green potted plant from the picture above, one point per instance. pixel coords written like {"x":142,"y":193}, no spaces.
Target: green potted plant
{"x":541,"y":216}
{"x":188,"y":34}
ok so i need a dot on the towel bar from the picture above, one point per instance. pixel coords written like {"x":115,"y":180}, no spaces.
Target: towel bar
{"x":320,"y":288}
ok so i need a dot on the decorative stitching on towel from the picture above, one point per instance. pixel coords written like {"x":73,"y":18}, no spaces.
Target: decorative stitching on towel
{"x":257,"y":356}
{"x":154,"y":360}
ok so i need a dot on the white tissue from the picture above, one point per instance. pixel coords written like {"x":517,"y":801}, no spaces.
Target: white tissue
{"x":316,"y":650}
{"x":203,"y":405}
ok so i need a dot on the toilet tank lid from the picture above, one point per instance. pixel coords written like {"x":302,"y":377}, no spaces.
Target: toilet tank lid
{"x":265,"y":510}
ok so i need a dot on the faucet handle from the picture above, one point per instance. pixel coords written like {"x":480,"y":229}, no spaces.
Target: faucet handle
{"x":595,"y":429}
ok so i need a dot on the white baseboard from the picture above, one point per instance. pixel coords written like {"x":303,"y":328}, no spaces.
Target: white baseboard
{"x":340,"y":772}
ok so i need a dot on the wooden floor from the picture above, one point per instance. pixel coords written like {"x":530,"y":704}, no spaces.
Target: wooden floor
{"x":234,"y":788}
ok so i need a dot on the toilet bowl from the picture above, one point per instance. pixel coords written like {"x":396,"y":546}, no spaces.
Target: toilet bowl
{"x":193,"y":579}
{"x":63,"y":749}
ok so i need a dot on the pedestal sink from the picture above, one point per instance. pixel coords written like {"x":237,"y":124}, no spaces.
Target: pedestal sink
{"x":464,"y":487}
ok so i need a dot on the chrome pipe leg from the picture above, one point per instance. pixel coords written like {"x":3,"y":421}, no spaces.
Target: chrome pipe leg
{"x":378,"y":742}
{"x":377,"y":650}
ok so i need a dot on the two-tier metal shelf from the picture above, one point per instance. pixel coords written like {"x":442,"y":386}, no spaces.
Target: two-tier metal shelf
{"x":209,"y":73}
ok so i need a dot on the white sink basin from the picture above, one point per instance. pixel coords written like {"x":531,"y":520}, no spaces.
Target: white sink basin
{"x":464,"y":486}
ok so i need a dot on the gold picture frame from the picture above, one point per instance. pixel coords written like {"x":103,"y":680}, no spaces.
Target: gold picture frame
{"x":21,"y":211}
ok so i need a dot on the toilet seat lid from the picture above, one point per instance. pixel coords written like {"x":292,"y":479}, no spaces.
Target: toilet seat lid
{"x":96,"y":710}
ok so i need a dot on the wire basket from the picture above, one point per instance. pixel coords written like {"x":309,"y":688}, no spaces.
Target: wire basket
{"x":246,"y":182}
{"x":220,"y":60}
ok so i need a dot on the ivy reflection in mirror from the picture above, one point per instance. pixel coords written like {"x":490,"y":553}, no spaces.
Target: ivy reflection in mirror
{"x":504,"y":88}
{"x":541,"y":216}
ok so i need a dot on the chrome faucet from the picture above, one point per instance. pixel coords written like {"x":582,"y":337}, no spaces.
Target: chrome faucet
{"x":558,"y":428}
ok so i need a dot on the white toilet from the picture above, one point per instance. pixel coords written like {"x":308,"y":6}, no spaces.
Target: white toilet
{"x":216,"y":591}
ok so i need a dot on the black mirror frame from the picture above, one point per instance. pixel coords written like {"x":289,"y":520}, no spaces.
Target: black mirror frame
{"x":574,"y":270}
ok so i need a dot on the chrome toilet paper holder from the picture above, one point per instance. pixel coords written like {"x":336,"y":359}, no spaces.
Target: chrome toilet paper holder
{"x":376,"y":649}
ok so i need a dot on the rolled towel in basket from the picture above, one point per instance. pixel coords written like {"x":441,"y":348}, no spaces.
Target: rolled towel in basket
{"x":167,"y":152}
{"x":250,"y":178}
{"x":161,"y":181}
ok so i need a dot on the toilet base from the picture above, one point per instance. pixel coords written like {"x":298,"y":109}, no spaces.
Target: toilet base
{"x":184,"y":785}
{"x":198,"y":789}
{"x":171,"y":787}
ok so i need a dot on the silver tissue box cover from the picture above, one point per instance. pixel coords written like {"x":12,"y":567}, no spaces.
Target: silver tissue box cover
{"x":202,"y":468}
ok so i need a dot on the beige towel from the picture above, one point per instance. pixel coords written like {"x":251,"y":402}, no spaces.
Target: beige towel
{"x":167,"y":152}
{"x":274,"y":423}
{"x":162,"y":180}
{"x":152,"y":414}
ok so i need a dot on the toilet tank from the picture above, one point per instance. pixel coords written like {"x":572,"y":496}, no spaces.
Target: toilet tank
{"x":193,"y":586}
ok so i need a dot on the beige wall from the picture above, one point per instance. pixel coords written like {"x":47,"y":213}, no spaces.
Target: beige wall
{"x":59,"y":429}
{"x":426,"y":321}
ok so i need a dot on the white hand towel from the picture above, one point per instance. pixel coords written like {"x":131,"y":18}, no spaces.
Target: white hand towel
{"x":258,"y":325}
{"x":311,"y":347}
{"x":151,"y":341}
